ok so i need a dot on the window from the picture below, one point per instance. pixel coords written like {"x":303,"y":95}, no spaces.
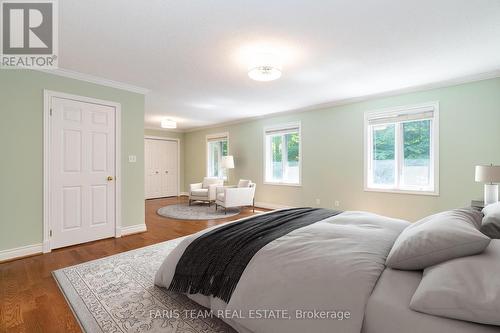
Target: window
{"x":401,"y":150}
{"x":282,"y":154}
{"x":217,"y":146}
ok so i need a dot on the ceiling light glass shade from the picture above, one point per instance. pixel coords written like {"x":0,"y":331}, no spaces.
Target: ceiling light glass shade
{"x":167,"y":123}
{"x":264,"y":73}
{"x":264,"y":67}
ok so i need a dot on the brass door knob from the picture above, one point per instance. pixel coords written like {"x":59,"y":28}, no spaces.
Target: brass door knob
{"x":110,"y":178}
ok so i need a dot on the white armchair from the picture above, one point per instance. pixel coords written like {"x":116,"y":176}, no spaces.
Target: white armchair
{"x":236,"y":196}
{"x":205,"y":191}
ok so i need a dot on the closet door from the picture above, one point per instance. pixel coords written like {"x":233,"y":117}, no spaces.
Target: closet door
{"x":151,"y":169}
{"x":171,"y":172}
{"x":163,"y":157}
{"x":161,"y":164}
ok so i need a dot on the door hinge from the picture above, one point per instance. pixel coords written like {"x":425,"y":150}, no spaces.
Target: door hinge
{"x":50,"y":233}
{"x":50,"y":112}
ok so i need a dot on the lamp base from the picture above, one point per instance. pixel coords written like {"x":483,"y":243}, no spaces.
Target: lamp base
{"x":490,"y":194}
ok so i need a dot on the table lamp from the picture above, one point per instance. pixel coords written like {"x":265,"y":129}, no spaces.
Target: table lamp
{"x":489,"y":174}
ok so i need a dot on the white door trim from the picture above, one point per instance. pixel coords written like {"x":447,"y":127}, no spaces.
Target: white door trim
{"x":152,"y":137}
{"x":47,"y":97}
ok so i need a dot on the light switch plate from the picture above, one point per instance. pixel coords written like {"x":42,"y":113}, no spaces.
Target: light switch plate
{"x":132,"y":158}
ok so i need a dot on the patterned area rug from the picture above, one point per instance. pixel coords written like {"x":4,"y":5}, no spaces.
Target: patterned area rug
{"x":196,"y":212}
{"x":117,"y":294}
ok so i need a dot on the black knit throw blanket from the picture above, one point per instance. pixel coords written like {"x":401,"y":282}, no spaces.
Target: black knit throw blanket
{"x":213,"y":263}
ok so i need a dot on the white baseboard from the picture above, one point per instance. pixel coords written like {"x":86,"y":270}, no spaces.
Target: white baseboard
{"x":268,"y":205}
{"x":184,"y":194}
{"x":21,"y":251}
{"x":133,"y":229}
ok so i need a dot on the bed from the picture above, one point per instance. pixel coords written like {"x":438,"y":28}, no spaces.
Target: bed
{"x":328,"y":276}
{"x":387,"y":309}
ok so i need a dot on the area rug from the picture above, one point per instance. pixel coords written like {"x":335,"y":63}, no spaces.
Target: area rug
{"x":117,"y":294}
{"x":196,"y":212}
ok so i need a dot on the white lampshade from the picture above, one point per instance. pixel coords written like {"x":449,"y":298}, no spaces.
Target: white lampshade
{"x":227,"y":162}
{"x":487,"y":173}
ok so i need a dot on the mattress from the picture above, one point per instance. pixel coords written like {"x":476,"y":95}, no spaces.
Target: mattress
{"x":388,"y":311}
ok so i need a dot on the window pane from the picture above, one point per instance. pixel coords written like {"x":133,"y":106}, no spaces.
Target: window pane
{"x":282,"y":157}
{"x":277,"y":158}
{"x":224,"y":147}
{"x":223,"y":150}
{"x":216,"y":149}
{"x":213,"y":159}
{"x":417,"y":153}
{"x":291,"y":172}
{"x":383,"y":156}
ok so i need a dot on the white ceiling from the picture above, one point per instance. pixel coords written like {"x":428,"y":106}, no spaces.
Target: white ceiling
{"x":192,"y":55}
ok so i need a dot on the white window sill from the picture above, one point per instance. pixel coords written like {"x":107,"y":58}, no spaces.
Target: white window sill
{"x":283,"y":184}
{"x":398,"y":191}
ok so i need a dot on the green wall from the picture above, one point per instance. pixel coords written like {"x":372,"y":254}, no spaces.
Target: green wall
{"x":332,"y":139}
{"x":332,"y":152}
{"x":21,"y":145}
{"x":172,"y":135}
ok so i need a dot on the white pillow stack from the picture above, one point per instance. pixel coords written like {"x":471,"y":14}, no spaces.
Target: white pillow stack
{"x":461,"y":264}
{"x":438,"y":238}
{"x":491,"y":220}
{"x":465,"y":288}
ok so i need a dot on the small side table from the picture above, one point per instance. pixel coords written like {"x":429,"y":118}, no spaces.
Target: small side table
{"x":478,"y":204}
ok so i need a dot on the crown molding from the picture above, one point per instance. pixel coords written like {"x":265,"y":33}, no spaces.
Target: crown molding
{"x":95,"y":79}
{"x":407,"y":90}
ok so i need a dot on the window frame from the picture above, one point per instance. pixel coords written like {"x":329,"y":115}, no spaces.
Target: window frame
{"x":399,"y":148}
{"x":210,"y":138}
{"x":281,"y":127}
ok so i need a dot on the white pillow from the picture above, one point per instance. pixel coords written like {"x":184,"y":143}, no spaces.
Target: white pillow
{"x":465,"y":288}
{"x":243,"y":183}
{"x":491,"y":220}
{"x":438,"y":238}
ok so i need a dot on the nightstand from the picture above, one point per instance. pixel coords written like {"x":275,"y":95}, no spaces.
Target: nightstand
{"x":478,"y":204}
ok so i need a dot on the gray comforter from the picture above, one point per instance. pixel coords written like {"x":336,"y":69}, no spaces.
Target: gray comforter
{"x":315,"y":279}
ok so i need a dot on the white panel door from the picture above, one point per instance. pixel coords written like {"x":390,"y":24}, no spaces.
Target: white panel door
{"x":152,"y":169}
{"x":162,"y":160}
{"x":161,"y":168}
{"x":149,"y":172}
{"x":171,"y":172}
{"x":82,"y":150}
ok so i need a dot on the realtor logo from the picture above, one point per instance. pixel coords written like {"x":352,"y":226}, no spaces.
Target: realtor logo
{"x":29,"y":34}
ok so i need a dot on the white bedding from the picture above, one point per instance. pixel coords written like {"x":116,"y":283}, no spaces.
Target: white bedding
{"x":334,"y":265}
{"x":388,"y":309}
{"x":331,"y":265}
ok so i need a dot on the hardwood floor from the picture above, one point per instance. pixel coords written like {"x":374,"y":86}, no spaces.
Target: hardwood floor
{"x":30,"y":300}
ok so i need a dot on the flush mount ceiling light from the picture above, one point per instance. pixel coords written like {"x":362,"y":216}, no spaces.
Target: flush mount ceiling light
{"x":264,"y":73}
{"x":265,"y":67}
{"x":167,"y":123}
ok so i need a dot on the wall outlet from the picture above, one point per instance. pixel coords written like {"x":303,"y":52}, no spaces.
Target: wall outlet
{"x":337,"y":203}
{"x":318,"y":202}
{"x":132,"y":158}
